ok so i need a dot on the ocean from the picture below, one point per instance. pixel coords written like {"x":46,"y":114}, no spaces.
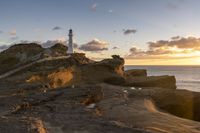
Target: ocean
{"x":187,"y":77}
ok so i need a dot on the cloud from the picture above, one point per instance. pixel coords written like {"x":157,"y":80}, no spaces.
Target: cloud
{"x":172,"y":6}
{"x":94,"y":7}
{"x":1,"y":31}
{"x":175,"y":37}
{"x":175,"y":4}
{"x":26,"y":41}
{"x":110,"y":11}
{"x":61,"y":39}
{"x":13,"y":32}
{"x":4,"y":47}
{"x":46,"y":44}
{"x":94,"y":45}
{"x":57,"y":28}
{"x":177,"y":47}
{"x":14,"y":38}
{"x":115,"y":48}
{"x":50,"y":43}
{"x":129,"y":31}
{"x":181,"y":43}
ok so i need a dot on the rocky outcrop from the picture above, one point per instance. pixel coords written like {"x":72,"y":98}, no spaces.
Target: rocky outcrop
{"x":78,"y":70}
{"x":138,"y":78}
{"x":167,"y":82}
{"x":100,"y":71}
{"x":136,"y":73}
{"x":183,"y":104}
{"x":82,"y":69}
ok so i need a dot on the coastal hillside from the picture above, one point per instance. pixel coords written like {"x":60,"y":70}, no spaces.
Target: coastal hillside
{"x":46,"y":90}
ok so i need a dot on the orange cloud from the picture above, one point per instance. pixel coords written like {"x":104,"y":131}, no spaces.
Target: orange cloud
{"x":95,"y":45}
{"x":177,"y":47}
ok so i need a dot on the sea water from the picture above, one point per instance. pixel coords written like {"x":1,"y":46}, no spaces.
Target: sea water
{"x":187,"y":77}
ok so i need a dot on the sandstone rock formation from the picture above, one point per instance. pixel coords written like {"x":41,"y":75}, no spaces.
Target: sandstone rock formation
{"x":77,"y":69}
{"x":184,"y":104}
{"x":166,"y":82}
{"x":55,"y":93}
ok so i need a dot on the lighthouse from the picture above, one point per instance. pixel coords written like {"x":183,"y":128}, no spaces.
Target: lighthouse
{"x":70,"y":43}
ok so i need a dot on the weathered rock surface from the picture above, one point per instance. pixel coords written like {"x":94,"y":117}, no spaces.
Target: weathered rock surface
{"x":139,"y":108}
{"x":60,"y":110}
{"x":183,"y":103}
{"x":136,"y":73}
{"x":75,"y":70}
{"x":91,"y":108}
{"x":139,"y":78}
{"x":166,"y":82}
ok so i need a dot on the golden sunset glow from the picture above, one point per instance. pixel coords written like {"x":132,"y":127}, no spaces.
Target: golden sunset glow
{"x":176,"y":51}
{"x":183,"y":61}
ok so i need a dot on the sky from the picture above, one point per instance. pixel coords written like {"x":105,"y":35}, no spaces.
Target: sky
{"x":144,"y":32}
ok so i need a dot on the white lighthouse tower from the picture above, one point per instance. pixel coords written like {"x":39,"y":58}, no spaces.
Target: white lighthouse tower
{"x":70,"y":43}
